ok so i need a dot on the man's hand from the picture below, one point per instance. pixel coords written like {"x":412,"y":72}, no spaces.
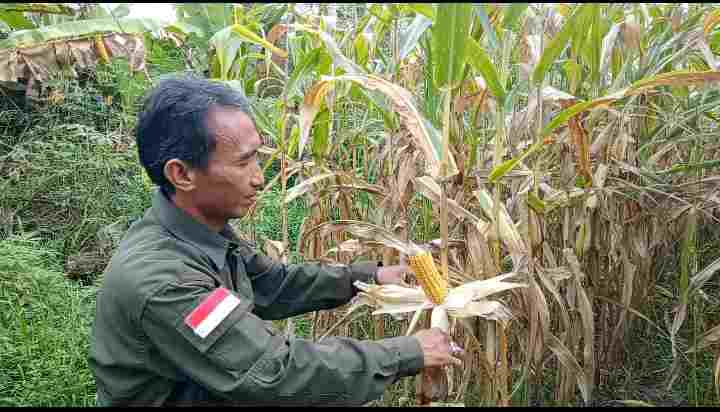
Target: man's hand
{"x":392,"y":275}
{"x":437,"y":348}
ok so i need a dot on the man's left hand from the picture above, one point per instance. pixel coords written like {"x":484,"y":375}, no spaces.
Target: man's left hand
{"x":393,"y":275}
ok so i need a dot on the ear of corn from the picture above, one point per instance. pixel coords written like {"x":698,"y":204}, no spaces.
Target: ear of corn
{"x":101,"y":50}
{"x":432,"y":282}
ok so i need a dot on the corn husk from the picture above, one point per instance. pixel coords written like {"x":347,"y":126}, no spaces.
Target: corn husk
{"x":464,"y":301}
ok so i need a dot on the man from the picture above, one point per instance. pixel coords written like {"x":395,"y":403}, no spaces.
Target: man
{"x":180,"y":316}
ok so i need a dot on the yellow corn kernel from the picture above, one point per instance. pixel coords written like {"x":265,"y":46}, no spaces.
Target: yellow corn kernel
{"x":432,"y":282}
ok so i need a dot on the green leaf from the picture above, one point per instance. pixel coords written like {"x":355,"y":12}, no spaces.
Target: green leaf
{"x":450,"y":33}
{"x":362,"y":49}
{"x":41,"y":8}
{"x":412,"y":34}
{"x":558,"y":44}
{"x":595,"y":43}
{"x":120,"y":10}
{"x":306,"y":66}
{"x":535,"y":203}
{"x":226,"y":46}
{"x":487,"y":27}
{"x":565,"y":115}
{"x":249,"y":36}
{"x":480,"y":61}
{"x":80,"y":28}
{"x":338,"y":57}
{"x":512,"y":15}
{"x":424,"y":9}
{"x":321,"y":134}
{"x":185,"y":28}
{"x":508,"y":165}
{"x":209,"y":17}
{"x":16,"y":20}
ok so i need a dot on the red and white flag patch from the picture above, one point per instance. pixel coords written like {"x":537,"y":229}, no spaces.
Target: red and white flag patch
{"x":211,"y":311}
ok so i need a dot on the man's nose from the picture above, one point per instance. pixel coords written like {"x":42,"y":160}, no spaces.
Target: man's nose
{"x":258,"y":180}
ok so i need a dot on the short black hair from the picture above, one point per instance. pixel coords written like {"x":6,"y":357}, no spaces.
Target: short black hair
{"x":173,"y":123}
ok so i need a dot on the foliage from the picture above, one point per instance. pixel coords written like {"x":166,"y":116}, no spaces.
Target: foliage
{"x":581,"y":141}
{"x":560,"y":128}
{"x":44,"y":324}
{"x":55,"y":176}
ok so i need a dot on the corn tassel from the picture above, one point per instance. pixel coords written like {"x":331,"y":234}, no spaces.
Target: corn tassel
{"x":434,"y":285}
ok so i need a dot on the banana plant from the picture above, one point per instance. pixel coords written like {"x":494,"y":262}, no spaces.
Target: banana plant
{"x":46,"y":50}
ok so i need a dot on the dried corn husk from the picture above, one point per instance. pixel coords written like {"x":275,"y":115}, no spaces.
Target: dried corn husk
{"x":461,"y":302}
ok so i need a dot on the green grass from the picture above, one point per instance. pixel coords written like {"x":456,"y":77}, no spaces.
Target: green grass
{"x":266,"y":223}
{"x":44,"y":325}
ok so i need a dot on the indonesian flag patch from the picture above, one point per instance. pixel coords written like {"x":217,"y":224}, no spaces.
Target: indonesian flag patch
{"x":211,"y":311}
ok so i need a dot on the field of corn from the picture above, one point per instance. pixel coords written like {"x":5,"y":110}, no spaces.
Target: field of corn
{"x":572,"y":150}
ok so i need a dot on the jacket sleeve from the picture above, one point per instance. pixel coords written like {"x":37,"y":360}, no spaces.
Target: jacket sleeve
{"x":244,"y":359}
{"x":282,"y":291}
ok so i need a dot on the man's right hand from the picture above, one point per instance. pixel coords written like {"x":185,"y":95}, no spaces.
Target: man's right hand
{"x":436,"y":348}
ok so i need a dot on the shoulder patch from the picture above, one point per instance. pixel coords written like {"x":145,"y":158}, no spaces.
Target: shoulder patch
{"x":211,"y":311}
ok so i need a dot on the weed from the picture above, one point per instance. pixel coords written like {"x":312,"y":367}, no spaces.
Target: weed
{"x":44,"y":326}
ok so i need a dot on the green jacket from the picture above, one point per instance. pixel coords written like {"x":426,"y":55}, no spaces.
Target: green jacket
{"x":146,"y":350}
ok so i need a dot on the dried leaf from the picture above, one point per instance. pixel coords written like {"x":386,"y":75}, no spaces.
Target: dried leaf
{"x":305,"y":186}
{"x":711,"y":20}
{"x":696,"y":282}
{"x":424,"y":134}
{"x":571,"y":364}
{"x":427,"y":186}
{"x":708,"y":338}
{"x":309,"y":109}
{"x":608,"y":45}
{"x":274,"y":249}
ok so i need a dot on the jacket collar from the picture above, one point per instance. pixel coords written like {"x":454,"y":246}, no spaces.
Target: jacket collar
{"x":182,"y":225}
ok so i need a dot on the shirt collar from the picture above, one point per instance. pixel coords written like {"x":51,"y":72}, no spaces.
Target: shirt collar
{"x":187,"y":228}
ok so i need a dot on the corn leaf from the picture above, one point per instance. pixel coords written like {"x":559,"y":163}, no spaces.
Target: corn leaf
{"x":425,"y":136}
{"x":366,"y":231}
{"x":488,"y":29}
{"x":431,"y":190}
{"x":505,"y":167}
{"x":450,"y":32}
{"x":571,"y":364}
{"x":480,"y":61}
{"x":249,"y":36}
{"x":309,"y":109}
{"x":411,"y":36}
{"x":301,"y":72}
{"x":305,"y":186}
{"x":226,"y":46}
{"x":424,"y":9}
{"x":608,"y":45}
{"x":512,"y":15}
{"x":594,"y":47}
{"x":708,"y":338}
{"x":633,"y":402}
{"x":558,"y":43}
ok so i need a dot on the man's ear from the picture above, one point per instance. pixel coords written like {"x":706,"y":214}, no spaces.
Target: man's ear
{"x":180,"y":175}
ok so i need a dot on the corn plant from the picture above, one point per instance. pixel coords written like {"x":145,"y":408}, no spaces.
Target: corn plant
{"x":572,"y":145}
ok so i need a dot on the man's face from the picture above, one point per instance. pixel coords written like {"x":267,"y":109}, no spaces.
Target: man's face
{"x":228,"y":187}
